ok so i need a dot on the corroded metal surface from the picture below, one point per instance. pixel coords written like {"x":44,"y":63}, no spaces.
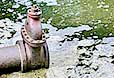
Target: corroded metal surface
{"x":9,"y":58}
{"x":30,"y":53}
{"x":30,"y":41}
{"x":35,"y":44}
{"x":12,"y":58}
{"x":33,"y":24}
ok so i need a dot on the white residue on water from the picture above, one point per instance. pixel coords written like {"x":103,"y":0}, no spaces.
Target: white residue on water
{"x":103,"y":5}
{"x":49,"y":2}
{"x":7,"y":28}
{"x":67,"y":31}
{"x":86,"y":42}
{"x":109,"y":40}
{"x":28,"y":2}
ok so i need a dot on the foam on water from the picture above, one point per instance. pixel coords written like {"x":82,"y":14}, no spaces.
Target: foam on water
{"x":27,"y":2}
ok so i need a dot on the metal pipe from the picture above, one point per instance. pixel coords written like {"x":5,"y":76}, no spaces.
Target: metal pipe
{"x":9,"y":58}
{"x":30,"y":53}
{"x":35,"y":44}
{"x":34,"y":30}
{"x":13,"y":58}
{"x":33,"y":23}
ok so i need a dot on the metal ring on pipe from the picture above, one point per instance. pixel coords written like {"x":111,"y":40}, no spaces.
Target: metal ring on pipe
{"x":29,"y":40}
{"x":21,"y":58}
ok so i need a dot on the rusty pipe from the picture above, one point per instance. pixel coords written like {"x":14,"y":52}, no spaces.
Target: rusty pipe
{"x":34,"y":39}
{"x":30,"y":53}
{"x":33,"y":23}
{"x":22,"y":57}
{"x":33,"y":34}
{"x":13,"y":58}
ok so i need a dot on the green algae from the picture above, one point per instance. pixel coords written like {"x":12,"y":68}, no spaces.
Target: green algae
{"x":99,"y":14}
{"x":70,"y":13}
{"x":8,"y":11}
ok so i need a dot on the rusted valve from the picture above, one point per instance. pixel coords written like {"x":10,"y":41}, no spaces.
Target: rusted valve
{"x":29,"y":53}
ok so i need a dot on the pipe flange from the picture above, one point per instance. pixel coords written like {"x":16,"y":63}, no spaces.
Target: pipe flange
{"x":34,"y":12}
{"x":22,"y":54}
{"x":31,"y":42}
